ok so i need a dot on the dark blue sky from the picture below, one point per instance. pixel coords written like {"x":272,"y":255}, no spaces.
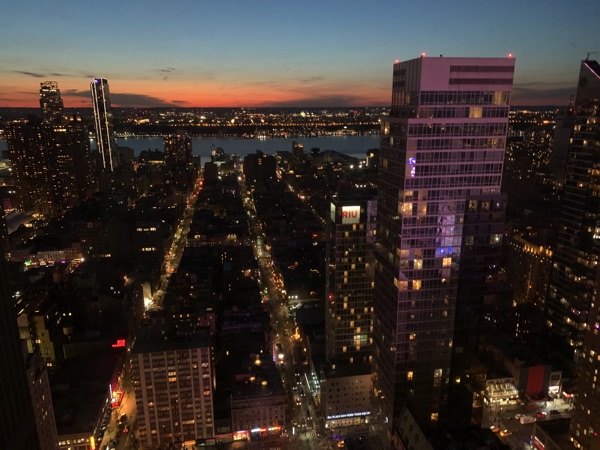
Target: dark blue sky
{"x":259,"y":53}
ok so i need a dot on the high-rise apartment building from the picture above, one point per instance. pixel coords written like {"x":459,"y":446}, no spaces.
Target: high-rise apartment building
{"x":346,"y":386}
{"x":585,"y":420}
{"x":105,"y":140}
{"x":28,"y":156}
{"x":349,"y":279}
{"x":578,"y":236}
{"x":51,"y":102}
{"x":41,"y":399}
{"x":51,"y":159}
{"x":17,"y":424}
{"x":441,"y":158}
{"x":173,"y":384}
{"x":67,"y":148}
{"x":178,"y":149}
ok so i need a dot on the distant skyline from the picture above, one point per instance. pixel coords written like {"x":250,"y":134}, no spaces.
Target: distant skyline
{"x":271,"y":53}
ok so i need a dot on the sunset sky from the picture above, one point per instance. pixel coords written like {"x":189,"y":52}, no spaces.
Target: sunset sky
{"x":209,"y":53}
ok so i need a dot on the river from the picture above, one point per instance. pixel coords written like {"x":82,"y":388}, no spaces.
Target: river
{"x":356,"y":146}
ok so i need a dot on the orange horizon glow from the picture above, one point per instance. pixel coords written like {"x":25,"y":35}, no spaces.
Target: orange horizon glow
{"x":188,"y":94}
{"x":18,"y":92}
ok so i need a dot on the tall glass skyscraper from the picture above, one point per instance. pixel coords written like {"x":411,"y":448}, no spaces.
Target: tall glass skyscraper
{"x":573,"y":304}
{"x":578,"y":237}
{"x":105,"y":141}
{"x":441,"y":158}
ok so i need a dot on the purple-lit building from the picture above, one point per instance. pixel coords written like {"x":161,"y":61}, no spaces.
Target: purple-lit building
{"x":440,"y":166}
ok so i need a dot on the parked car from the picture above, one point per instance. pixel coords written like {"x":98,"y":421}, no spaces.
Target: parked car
{"x":527,"y":419}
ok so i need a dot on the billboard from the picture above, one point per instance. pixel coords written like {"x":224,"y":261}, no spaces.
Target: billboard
{"x":350,"y":214}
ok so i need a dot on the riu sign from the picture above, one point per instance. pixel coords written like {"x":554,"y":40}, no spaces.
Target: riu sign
{"x":350,"y":214}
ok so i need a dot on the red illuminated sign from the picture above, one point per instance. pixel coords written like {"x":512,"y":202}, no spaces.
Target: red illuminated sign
{"x":120,"y":343}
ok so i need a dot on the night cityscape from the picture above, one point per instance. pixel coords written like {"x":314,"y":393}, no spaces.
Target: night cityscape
{"x":261,"y":253}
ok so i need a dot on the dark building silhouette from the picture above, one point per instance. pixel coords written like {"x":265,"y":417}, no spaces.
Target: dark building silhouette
{"x":17,"y":424}
{"x":573,"y":276}
{"x":259,"y":167}
{"x":442,"y":151}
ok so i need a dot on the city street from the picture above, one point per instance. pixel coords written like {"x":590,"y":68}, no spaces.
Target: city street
{"x":113,"y":432}
{"x":302,"y":412}
{"x":508,"y":418}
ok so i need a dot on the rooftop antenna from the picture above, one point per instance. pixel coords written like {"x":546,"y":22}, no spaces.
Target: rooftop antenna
{"x":591,"y":53}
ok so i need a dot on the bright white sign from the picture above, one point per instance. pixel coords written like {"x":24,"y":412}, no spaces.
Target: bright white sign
{"x":350,"y":214}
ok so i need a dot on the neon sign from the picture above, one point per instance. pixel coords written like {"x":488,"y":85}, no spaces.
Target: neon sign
{"x":120,"y":343}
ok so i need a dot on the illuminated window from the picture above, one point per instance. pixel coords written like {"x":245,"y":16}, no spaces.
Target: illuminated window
{"x":409,"y":375}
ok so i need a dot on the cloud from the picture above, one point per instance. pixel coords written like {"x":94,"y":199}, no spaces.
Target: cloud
{"x":123,"y":99}
{"x":29,"y":74}
{"x":311,"y":79}
{"x":75,"y":93}
{"x":542,"y":93}
{"x":140,"y":100}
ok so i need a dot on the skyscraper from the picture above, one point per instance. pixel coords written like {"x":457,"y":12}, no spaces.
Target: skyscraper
{"x":51,"y":102}
{"x":585,"y":420}
{"x":178,"y":149}
{"x":346,"y":387}
{"x":441,"y":157}
{"x":105,"y":141}
{"x":29,"y":159}
{"x":350,"y":241}
{"x":51,"y":159}
{"x":17,"y":425}
{"x":578,"y":236}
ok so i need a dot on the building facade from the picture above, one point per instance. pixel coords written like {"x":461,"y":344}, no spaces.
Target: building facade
{"x":17,"y":421}
{"x":105,"y":140}
{"x":41,"y":398}
{"x":178,"y":149}
{"x":578,"y":236}
{"x":173,"y":389}
{"x":349,"y":279}
{"x":51,"y":158}
{"x":29,"y":161}
{"x":51,"y":102}
{"x":442,"y":146}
